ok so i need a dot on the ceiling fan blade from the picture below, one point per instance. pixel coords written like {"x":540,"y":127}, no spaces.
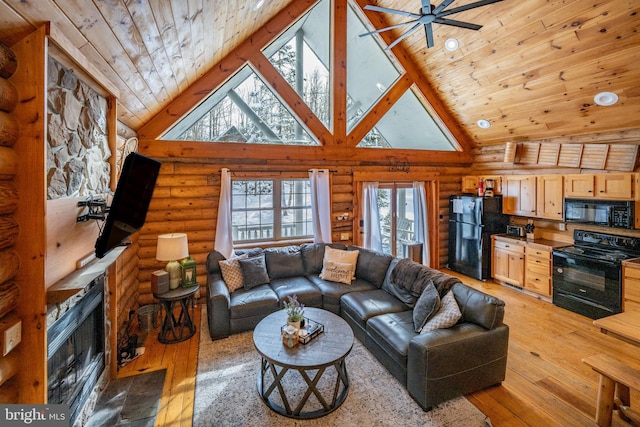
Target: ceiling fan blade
{"x":441,"y":6}
{"x":426,"y":7}
{"x":395,"y":11}
{"x":455,"y":23}
{"x":388,"y":28}
{"x":403,"y":36}
{"x":429,"y":33}
{"x":467,"y":7}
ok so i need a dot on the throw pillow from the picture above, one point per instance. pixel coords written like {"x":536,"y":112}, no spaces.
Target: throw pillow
{"x":232,"y":273}
{"x":254,"y":270}
{"x":337,"y":272}
{"x":339,"y":255}
{"x":426,"y":306}
{"x":446,"y":317}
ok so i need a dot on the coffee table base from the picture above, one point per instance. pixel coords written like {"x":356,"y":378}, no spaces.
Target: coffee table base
{"x":340,"y":390}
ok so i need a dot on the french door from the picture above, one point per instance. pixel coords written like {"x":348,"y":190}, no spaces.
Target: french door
{"x":395,"y":208}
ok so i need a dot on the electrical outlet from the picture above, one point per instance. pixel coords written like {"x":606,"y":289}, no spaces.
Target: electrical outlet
{"x":344,"y":236}
{"x":11,"y":335}
{"x":562,"y":226}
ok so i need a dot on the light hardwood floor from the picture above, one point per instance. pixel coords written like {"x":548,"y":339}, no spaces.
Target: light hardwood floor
{"x":546,"y":384}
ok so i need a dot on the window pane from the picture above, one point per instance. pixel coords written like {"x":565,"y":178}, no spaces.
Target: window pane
{"x":296,"y":208}
{"x":405,"y":230}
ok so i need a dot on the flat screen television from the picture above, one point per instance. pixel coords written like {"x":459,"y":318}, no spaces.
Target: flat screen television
{"x":130,"y":202}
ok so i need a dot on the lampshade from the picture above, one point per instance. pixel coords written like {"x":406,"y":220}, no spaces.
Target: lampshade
{"x":172,"y":247}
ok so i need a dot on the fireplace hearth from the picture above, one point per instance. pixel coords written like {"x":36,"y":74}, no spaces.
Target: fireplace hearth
{"x":76,"y":349}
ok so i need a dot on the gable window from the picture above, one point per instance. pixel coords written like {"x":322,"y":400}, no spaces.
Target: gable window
{"x":271,"y":210}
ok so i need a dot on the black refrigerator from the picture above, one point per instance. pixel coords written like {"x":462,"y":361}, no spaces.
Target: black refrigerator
{"x":472,"y":221}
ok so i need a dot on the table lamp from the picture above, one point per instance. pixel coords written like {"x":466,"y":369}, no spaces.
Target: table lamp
{"x":172,"y":247}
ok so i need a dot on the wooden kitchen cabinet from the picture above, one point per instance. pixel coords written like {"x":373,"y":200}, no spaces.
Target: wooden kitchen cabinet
{"x":631,"y":285}
{"x":549,"y":194}
{"x":600,"y":186}
{"x":507,"y":262}
{"x":470,"y":183}
{"x":538,"y":272}
{"x":519,"y":195}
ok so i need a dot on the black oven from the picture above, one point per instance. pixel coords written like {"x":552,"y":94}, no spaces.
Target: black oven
{"x":583,"y":285}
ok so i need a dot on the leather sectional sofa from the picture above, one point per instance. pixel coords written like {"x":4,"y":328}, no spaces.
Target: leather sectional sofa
{"x":435,"y":366}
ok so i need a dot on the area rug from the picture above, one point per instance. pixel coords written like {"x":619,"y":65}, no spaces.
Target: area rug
{"x":226,"y":393}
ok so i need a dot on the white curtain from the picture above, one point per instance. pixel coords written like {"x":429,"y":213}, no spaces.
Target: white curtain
{"x":421,"y":225}
{"x":320,"y":205}
{"x":370,"y":217}
{"x":224,"y":232}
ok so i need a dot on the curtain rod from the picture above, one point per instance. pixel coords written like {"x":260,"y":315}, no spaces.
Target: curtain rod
{"x":280,"y":172}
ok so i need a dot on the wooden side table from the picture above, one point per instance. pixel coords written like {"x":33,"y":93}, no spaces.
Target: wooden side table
{"x":178,"y":323}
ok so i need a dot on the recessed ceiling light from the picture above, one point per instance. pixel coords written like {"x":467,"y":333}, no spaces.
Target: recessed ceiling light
{"x":451,"y":44}
{"x":605,"y":98}
{"x":484,"y":124}
{"x":258,"y":4}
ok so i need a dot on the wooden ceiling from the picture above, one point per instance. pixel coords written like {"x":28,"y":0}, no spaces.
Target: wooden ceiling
{"x":531,"y":71}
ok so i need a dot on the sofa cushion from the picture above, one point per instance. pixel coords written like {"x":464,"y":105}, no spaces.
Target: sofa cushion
{"x":371,"y":266}
{"x":307,"y":293}
{"x":393,"y":332}
{"x":313,"y":255}
{"x":339,"y":255}
{"x":333,"y":291}
{"x":426,"y":306}
{"x":284,"y":262}
{"x":447,"y":316}
{"x":254,"y":271}
{"x":260,"y":300}
{"x":362,"y":306}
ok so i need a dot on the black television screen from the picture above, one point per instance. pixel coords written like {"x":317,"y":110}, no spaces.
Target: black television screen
{"x":130,"y":202}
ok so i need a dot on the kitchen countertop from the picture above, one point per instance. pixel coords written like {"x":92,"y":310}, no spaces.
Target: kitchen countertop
{"x":542,"y":242}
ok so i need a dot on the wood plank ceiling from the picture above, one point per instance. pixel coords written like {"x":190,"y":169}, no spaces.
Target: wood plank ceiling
{"x":532,"y":70}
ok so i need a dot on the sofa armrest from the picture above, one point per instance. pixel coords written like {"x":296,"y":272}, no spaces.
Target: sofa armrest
{"x":446,"y":363}
{"x":218,"y":303}
{"x":477,"y":307}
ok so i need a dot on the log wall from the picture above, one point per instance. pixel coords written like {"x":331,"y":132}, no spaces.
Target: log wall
{"x":9,"y":229}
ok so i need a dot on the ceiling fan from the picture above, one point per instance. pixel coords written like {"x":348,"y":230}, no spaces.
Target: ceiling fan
{"x":428,"y":14}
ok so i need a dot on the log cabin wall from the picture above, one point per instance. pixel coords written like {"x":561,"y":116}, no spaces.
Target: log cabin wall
{"x":186,"y":200}
{"x":9,"y":260}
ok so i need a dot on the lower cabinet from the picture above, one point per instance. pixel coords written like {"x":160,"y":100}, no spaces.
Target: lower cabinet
{"x":507,"y":262}
{"x":631,"y":285}
{"x":524,"y":264}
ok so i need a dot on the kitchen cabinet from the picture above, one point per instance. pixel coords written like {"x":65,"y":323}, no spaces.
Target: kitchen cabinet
{"x":519,"y":195}
{"x":631,"y":284}
{"x":538,"y":274}
{"x":600,"y":186}
{"x":470,"y":183}
{"x":549,"y":193}
{"x":507,"y":262}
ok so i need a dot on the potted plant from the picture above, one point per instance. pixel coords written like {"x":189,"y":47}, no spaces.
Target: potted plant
{"x":295,"y":311}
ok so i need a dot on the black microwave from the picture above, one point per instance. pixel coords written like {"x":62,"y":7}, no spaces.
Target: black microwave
{"x":607,"y":213}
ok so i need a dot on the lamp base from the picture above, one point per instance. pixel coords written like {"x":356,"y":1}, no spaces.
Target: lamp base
{"x":175,"y":274}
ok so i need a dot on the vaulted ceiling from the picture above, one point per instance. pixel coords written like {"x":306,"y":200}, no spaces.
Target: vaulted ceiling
{"x":532,"y":71}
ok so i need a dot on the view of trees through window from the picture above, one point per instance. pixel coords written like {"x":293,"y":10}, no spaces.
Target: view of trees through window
{"x":271,"y":209}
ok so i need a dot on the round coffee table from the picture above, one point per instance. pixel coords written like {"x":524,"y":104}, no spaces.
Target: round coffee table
{"x":311,"y":361}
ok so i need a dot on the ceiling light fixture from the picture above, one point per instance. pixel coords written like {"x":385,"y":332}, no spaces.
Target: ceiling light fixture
{"x":451,"y":44}
{"x":605,"y":98}
{"x":380,"y":87}
{"x":258,"y":5}
{"x":484,"y":124}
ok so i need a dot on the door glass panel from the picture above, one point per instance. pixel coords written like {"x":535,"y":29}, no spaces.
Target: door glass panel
{"x":405,"y":231}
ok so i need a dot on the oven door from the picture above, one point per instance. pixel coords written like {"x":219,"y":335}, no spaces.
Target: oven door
{"x":588,"y":286}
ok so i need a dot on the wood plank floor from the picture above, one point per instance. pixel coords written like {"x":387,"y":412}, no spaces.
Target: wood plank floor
{"x":546,"y":384}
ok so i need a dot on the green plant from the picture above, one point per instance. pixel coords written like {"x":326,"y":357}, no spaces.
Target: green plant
{"x":295,"y":310}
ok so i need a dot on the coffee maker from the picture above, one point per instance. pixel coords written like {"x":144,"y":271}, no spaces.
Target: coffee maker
{"x":488,"y":187}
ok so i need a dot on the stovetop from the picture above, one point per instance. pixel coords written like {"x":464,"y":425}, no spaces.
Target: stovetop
{"x":602,"y":246}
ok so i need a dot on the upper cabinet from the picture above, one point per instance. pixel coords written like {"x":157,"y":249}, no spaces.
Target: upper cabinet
{"x":470,"y":183}
{"x":549,"y":196}
{"x":601,"y":186}
{"x":519,"y":195}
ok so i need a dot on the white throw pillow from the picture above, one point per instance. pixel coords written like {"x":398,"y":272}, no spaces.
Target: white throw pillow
{"x":232,"y":273}
{"x":339,"y":255}
{"x":337,"y":272}
{"x":446,"y":317}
